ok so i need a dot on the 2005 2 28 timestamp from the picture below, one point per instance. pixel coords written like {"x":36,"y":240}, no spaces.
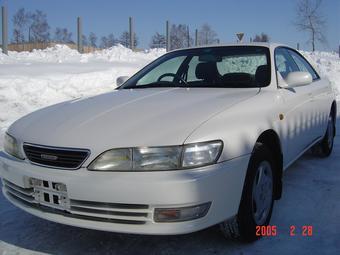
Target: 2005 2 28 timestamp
{"x":272,"y":230}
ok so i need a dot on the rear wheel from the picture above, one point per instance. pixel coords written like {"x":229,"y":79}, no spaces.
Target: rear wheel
{"x":257,"y":198}
{"x":328,"y":140}
{"x":325,"y":147}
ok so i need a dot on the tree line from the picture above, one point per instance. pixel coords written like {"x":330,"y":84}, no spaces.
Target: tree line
{"x":34,"y":27}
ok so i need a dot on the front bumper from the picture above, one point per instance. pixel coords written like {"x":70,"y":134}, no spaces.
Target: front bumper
{"x":131,"y":196}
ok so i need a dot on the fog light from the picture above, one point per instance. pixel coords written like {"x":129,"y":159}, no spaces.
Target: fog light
{"x":181,"y":214}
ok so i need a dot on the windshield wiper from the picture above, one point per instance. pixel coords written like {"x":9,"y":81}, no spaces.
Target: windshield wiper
{"x":155,"y":85}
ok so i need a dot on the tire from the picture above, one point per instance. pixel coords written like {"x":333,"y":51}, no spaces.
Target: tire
{"x":326,"y":145}
{"x":258,"y":192}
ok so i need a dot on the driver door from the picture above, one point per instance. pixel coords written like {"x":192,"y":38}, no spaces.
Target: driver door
{"x":296,"y":129}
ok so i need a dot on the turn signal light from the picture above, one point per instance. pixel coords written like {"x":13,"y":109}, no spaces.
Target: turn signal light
{"x":181,"y":213}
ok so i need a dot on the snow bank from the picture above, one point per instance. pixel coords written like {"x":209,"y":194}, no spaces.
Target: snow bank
{"x":328,"y":65}
{"x":121,"y":53}
{"x":64,"y":54}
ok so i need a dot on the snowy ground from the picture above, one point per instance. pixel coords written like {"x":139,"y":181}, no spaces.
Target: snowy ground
{"x":29,"y":81}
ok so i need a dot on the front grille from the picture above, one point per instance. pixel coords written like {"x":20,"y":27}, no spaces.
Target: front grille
{"x":118,"y":213}
{"x":23,"y":194}
{"x":56,"y":157}
{"x":126,"y":213}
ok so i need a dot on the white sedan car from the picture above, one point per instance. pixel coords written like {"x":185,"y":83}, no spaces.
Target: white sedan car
{"x":199,"y":137}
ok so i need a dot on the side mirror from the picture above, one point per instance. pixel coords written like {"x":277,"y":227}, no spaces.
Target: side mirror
{"x":296,"y":79}
{"x":121,"y":79}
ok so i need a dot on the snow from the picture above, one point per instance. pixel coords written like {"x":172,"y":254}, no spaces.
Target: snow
{"x":31,"y":80}
{"x":328,"y":65}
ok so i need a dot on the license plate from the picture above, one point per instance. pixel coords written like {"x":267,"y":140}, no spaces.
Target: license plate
{"x":51,"y":194}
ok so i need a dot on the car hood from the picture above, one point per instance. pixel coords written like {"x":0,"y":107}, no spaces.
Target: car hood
{"x":127,"y":117}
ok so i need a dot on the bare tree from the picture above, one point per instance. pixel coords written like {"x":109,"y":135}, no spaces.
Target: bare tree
{"x":180,"y":36}
{"x":108,"y":41}
{"x":92,"y":39}
{"x":103,"y":42}
{"x":261,"y":38}
{"x":310,"y":19}
{"x":206,"y":35}
{"x":158,"y":41}
{"x":125,"y":39}
{"x":17,"y":36}
{"x":111,"y":40}
{"x":62,"y":35}
{"x":20,"y":21}
{"x":39,"y":28}
{"x":84,"y":39}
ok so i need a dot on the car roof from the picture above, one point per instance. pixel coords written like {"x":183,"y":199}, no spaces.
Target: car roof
{"x":262,"y":44}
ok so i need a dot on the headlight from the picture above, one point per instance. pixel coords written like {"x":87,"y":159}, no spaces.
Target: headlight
{"x":200,"y":154}
{"x":158,"y":158}
{"x":113,"y":160}
{"x":11,"y":146}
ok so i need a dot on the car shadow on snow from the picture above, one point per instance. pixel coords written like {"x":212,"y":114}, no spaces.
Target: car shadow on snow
{"x":307,"y":185}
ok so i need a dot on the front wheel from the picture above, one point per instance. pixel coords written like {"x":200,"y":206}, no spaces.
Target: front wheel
{"x":257,"y":198}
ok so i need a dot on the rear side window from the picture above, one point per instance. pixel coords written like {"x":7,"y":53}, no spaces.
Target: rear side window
{"x":284,"y":63}
{"x":303,"y":65}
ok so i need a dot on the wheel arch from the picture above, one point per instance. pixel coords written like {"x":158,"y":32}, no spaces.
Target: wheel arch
{"x":271,"y":139}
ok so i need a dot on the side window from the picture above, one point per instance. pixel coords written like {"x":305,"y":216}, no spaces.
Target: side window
{"x":303,"y":65}
{"x":284,"y":62}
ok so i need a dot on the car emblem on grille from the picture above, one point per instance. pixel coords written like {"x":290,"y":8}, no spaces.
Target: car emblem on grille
{"x":48,"y":157}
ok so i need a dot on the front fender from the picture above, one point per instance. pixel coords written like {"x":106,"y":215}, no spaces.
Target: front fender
{"x":240,"y":126}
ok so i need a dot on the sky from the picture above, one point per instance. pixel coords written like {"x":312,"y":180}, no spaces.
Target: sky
{"x":226,"y":17}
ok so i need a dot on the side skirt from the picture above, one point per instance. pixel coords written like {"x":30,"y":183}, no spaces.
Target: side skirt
{"x":315,"y":141}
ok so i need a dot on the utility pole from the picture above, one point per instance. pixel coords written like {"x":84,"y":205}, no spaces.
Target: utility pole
{"x":80,"y":35}
{"x":4,"y":30}
{"x":167,"y":33}
{"x":131,"y":33}
{"x":196,"y":37}
{"x":298,"y":46}
{"x":188,"y":36}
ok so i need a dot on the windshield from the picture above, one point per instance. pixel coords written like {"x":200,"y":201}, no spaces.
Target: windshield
{"x":227,"y":67}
